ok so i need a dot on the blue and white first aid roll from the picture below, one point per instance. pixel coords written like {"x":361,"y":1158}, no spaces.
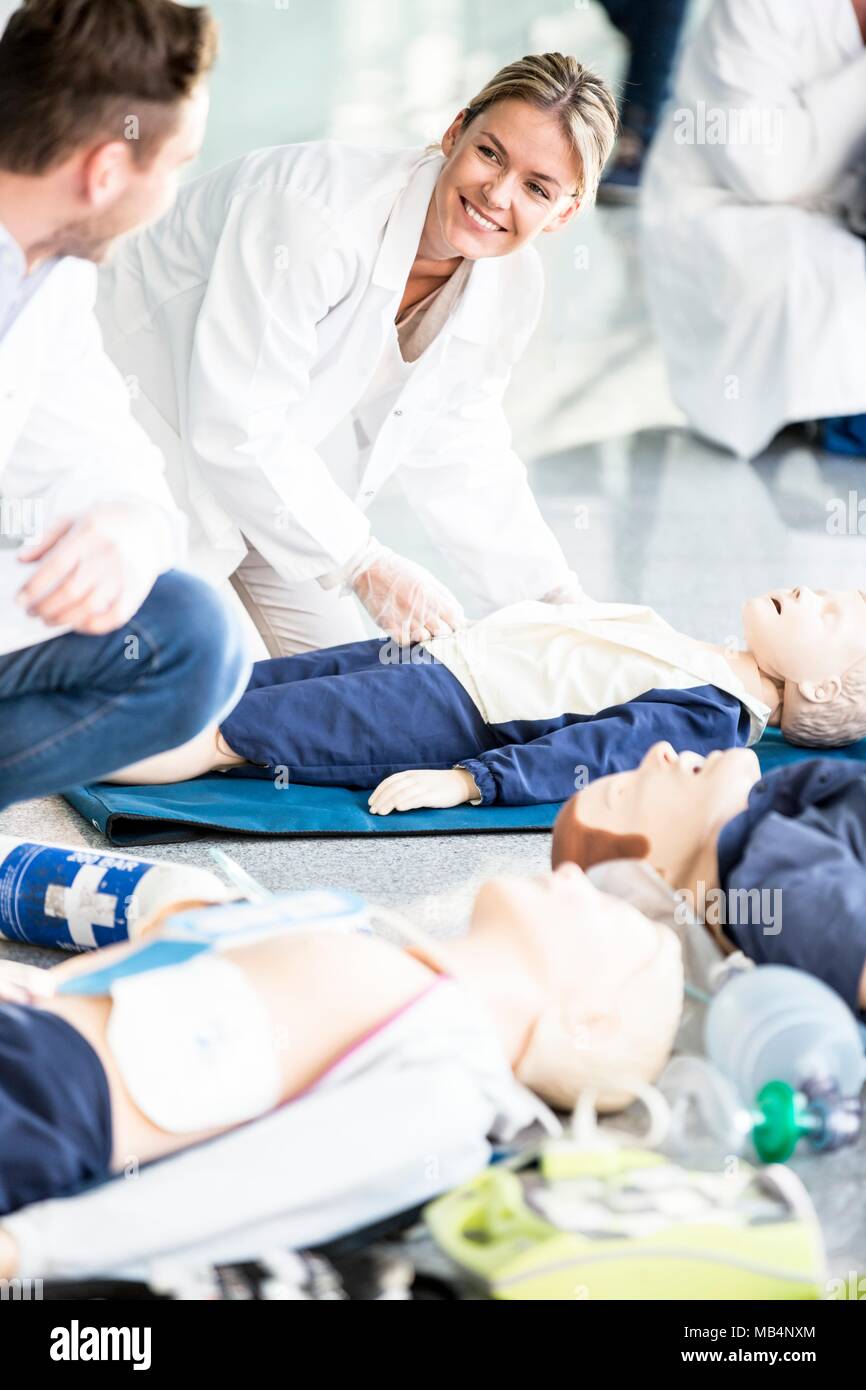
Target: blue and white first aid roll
{"x":78,"y":899}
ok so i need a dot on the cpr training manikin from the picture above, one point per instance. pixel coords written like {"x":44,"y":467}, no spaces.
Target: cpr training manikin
{"x":524,"y":705}
{"x":555,"y":987}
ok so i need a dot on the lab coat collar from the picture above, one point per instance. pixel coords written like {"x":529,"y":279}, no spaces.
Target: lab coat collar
{"x":475,"y":315}
{"x":16,"y":285}
{"x":405,"y":223}
{"x":476,"y":312}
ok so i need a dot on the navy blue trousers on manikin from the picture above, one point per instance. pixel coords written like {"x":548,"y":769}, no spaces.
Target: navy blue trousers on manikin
{"x":344,"y":717}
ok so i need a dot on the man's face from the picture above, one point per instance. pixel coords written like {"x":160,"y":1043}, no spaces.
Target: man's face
{"x":677,"y":801}
{"x":147,"y":189}
{"x":806,"y":635}
{"x":510,"y":175}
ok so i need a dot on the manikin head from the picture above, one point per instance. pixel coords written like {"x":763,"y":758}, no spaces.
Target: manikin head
{"x":613,"y":984}
{"x":525,"y":153}
{"x":101,"y":103}
{"x":667,"y":811}
{"x":812,"y":643}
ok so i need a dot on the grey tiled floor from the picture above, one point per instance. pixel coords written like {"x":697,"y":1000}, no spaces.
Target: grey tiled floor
{"x":669,"y":521}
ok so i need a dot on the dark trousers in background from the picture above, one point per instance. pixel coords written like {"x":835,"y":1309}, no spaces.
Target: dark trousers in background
{"x":652,"y":28}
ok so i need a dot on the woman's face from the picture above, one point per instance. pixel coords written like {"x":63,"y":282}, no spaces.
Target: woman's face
{"x":510,"y":175}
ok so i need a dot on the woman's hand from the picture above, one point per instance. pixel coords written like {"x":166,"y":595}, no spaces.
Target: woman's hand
{"x":407,"y":791}
{"x":570,"y":590}
{"x":405,"y":599}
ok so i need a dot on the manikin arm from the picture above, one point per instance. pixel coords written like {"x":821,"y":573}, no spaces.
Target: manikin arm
{"x":550,"y":768}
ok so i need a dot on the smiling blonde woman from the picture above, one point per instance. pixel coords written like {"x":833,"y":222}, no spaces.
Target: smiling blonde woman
{"x":313,"y":319}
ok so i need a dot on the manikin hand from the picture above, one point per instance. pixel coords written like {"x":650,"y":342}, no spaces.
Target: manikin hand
{"x":569,"y":591}
{"x":404,"y":599}
{"x":22,"y":984}
{"x":96,"y":571}
{"x":407,"y":791}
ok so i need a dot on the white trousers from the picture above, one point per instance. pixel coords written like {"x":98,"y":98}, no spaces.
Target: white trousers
{"x":284,"y":618}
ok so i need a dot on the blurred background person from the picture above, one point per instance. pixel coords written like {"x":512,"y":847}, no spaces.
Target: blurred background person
{"x":756,"y":280}
{"x":652,"y":28}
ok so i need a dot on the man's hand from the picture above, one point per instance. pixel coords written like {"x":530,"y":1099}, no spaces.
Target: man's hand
{"x":95,"y":573}
{"x":407,"y":791}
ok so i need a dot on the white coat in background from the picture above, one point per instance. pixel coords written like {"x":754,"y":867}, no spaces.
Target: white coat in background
{"x":252,"y":318}
{"x":756,"y":284}
{"x":68,"y":441}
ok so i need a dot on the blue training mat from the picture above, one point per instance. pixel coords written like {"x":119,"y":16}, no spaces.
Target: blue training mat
{"x":247,"y":805}
{"x":775,"y":751}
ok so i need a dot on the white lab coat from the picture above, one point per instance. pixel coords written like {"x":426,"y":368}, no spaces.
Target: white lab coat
{"x":68,"y":440}
{"x":251,"y":319}
{"x":757,"y":287}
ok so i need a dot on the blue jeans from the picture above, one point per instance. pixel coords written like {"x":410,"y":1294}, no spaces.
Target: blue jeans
{"x":76,"y":708}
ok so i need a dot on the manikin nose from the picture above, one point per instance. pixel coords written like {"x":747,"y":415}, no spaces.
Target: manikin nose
{"x":664,"y":754}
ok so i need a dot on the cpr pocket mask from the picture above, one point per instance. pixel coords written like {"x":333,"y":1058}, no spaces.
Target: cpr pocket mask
{"x":592,"y":1217}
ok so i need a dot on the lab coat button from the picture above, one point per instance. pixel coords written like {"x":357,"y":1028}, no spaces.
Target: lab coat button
{"x":371,"y":493}
{"x":398,"y":412}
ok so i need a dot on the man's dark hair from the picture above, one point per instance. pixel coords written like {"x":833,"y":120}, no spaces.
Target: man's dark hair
{"x":73,"y":73}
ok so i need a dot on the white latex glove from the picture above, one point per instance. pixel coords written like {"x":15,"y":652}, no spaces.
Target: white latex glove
{"x":569,"y":591}
{"x":98,"y":570}
{"x":407,"y":791}
{"x":404,"y":599}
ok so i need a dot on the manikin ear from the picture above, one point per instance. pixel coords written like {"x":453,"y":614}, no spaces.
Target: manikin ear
{"x":449,"y":139}
{"x":820,"y":692}
{"x":562,"y":218}
{"x":105,"y":173}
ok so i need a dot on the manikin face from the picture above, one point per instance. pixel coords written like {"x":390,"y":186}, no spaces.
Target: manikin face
{"x":806,"y":636}
{"x":613,"y":990}
{"x":124,"y":194}
{"x":572,"y":920}
{"x":677,"y":801}
{"x":514,"y":168}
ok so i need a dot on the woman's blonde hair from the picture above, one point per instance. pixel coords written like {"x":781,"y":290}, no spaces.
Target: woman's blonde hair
{"x":558,"y":83}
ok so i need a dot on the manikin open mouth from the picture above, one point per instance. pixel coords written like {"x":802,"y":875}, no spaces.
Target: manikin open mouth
{"x":478,"y":216}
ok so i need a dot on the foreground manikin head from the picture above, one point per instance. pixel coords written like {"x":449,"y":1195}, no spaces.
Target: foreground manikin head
{"x":668,"y":811}
{"x":612,"y":984}
{"x":525,"y":153}
{"x":812,"y":643}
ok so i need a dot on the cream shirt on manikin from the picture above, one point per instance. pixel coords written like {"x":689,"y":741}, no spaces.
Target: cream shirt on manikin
{"x":541,"y":660}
